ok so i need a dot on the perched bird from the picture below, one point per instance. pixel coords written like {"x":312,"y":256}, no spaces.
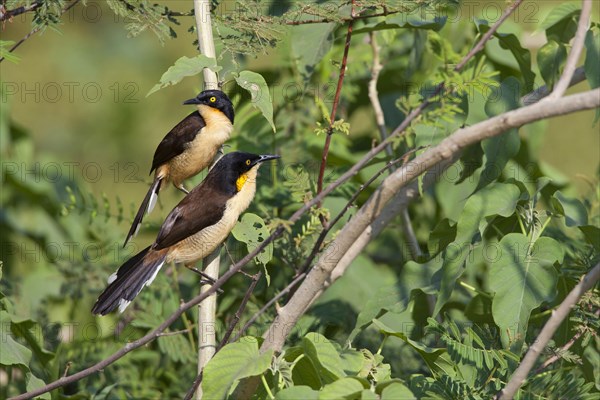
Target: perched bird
{"x":192,"y":230}
{"x":188,"y":148}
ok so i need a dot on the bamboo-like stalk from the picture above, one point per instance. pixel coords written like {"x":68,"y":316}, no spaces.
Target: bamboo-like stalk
{"x":207,"y":341}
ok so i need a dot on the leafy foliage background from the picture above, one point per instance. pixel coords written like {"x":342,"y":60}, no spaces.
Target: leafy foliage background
{"x":75,"y":140}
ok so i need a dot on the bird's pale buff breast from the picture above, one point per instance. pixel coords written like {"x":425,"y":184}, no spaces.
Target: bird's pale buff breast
{"x":201,"y":244}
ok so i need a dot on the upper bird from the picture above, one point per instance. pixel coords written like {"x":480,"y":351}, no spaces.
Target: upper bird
{"x":188,"y":148}
{"x":191,"y":231}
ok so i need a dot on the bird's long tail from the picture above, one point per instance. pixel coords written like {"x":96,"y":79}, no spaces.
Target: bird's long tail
{"x":131,"y":277}
{"x":147,"y":205}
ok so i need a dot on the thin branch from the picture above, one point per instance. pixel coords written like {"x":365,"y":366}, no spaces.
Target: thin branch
{"x":174,"y":333}
{"x":195,"y":386}
{"x":18,"y":11}
{"x":282,"y":293}
{"x":36,"y":30}
{"x":547,"y":332}
{"x":67,"y":367}
{"x":336,"y":101}
{"x":240,"y":310}
{"x":170,"y":13}
{"x":410,"y":236}
{"x":573,"y":58}
{"x":563,"y":349}
{"x":374,"y":95}
{"x":480,"y":45}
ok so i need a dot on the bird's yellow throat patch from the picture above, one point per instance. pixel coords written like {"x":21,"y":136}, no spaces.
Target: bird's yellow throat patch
{"x":241,"y":181}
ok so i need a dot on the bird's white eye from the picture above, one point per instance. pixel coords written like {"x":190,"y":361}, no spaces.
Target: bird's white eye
{"x":213,"y":99}
{"x":248,"y":162}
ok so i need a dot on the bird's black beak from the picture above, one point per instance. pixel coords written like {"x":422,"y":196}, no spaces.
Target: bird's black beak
{"x":192,"y":101}
{"x":265,"y":157}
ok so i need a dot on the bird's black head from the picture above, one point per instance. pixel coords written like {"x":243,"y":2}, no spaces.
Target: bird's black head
{"x":216,"y":99}
{"x":232,"y":169}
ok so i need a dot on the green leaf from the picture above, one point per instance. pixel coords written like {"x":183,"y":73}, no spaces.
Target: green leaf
{"x":234,"y":362}
{"x":183,"y":67}
{"x":104,"y":393}
{"x":559,"y":13}
{"x":305,"y":373}
{"x":345,"y":388}
{"x":366,"y":394}
{"x":572,"y":209}
{"x":5,"y":53}
{"x":397,"y":391}
{"x":310,"y":44}
{"x":433,"y":357}
{"x":352,"y":361}
{"x":592,"y":235}
{"x":510,"y":42}
{"x":252,"y":230}
{"x":472,"y":159}
{"x":479,"y":310}
{"x":297,"y":392}
{"x":550,"y":58}
{"x":592,"y":58}
{"x":440,"y":237}
{"x":592,"y":62}
{"x":256,"y":85}
{"x":324,"y":356}
{"x":497,"y":199}
{"x":31,"y":332}
{"x":13,"y":353}
{"x":395,"y":298}
{"x":33,"y":382}
{"x":501,"y":148}
{"x":522,"y":278}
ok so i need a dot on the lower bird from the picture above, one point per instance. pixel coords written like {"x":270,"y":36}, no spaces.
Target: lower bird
{"x":191,"y":231}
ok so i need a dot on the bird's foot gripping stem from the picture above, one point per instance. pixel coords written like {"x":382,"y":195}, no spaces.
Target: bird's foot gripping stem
{"x":206,"y":279}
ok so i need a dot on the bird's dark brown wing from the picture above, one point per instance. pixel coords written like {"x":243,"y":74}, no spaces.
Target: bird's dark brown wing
{"x":175,"y":141}
{"x":201,"y":208}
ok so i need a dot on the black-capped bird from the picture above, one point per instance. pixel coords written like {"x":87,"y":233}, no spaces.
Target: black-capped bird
{"x":188,"y":148}
{"x":192,"y":230}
